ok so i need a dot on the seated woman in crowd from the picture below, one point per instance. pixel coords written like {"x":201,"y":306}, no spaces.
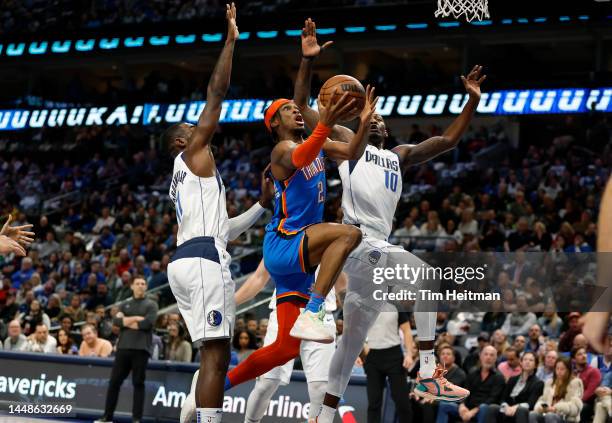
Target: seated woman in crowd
{"x":520,"y":394}
{"x":65,"y":344}
{"x":177,"y":348}
{"x":244,"y":344}
{"x":562,"y":397}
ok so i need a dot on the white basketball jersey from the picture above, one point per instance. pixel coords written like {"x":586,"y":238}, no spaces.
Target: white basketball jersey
{"x":199,"y":204}
{"x":371,"y":189}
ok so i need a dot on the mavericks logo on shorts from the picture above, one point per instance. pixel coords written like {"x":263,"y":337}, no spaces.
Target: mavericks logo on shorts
{"x":214,"y":318}
{"x":374,"y":256}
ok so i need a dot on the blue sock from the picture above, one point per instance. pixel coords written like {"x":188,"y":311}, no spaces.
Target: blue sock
{"x":228,"y":384}
{"x":315,"y":302}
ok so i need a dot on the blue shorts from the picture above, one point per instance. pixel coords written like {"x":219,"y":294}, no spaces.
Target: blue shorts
{"x":286,"y":259}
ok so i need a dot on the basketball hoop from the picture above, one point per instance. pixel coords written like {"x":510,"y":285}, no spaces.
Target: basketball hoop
{"x":472,"y":9}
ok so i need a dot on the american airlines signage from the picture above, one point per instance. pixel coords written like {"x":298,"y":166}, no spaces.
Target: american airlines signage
{"x":511,"y":102}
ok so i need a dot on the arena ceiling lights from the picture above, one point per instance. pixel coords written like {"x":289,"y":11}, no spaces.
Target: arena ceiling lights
{"x":512,"y":102}
{"x":99,"y":44}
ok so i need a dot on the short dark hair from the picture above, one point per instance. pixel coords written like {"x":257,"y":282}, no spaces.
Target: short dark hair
{"x":511,"y":349}
{"x":170,"y":134}
{"x":575,"y":351}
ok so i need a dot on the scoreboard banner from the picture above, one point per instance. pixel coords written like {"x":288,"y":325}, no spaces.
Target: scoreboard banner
{"x":33,"y":378}
{"x":508,"y":102}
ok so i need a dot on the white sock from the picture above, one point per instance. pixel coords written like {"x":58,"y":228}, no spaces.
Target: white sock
{"x":427,"y":363}
{"x":209,"y":415}
{"x":326,"y":415}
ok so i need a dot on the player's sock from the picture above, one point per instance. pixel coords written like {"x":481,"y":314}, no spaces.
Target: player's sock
{"x":427,"y":363}
{"x":315,"y":303}
{"x":326,"y":415}
{"x":228,"y":384}
{"x":209,"y":415}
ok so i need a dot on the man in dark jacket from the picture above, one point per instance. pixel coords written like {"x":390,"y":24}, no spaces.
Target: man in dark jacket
{"x":136,"y":319}
{"x":485,"y":384}
{"x":520,"y":394}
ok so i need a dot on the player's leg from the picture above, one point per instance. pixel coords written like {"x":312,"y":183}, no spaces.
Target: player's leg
{"x":204,"y":289}
{"x":431,"y":383}
{"x":327,"y":245}
{"x":316,"y":360}
{"x":259,"y":399}
{"x":283,"y":349}
{"x":121,"y":370}
{"x":357,"y":322}
{"x":267,"y":384}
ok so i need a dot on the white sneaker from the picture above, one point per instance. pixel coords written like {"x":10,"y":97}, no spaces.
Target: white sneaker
{"x":310,"y":326}
{"x":188,"y":409}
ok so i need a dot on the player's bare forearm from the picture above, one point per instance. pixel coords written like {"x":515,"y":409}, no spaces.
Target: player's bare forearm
{"x":301,"y":93}
{"x":432,"y":147}
{"x":253,"y":285}
{"x":217,"y":86}
{"x":351,"y":150}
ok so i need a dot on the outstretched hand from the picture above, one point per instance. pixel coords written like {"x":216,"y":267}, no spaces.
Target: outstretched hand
{"x":310,"y":45}
{"x":232,"y":28}
{"x":18,"y":234}
{"x":473,"y":81}
{"x":370,"y":105}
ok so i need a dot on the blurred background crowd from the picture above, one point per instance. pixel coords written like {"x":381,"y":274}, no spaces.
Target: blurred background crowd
{"x":98,"y":196}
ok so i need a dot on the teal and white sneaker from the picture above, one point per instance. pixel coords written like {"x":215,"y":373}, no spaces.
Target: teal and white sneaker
{"x":310,"y":326}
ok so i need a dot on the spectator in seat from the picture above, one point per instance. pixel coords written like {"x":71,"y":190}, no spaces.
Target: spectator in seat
{"x":24,"y":273}
{"x":520,"y":394}
{"x":74,"y":310}
{"x":603,"y":403}
{"x":485,"y":385}
{"x":590,"y":377}
{"x":65,"y":344}
{"x":518,"y":323}
{"x":575,"y":327}
{"x":41,"y":341}
{"x":519,"y":344}
{"x":177,"y":349}
{"x":34,"y":317}
{"x":550,"y":322}
{"x":92,"y":345}
{"x":512,"y":366}
{"x":404,"y":234}
{"x":15,"y":341}
{"x":500,"y":341}
{"x":547,"y":370}
{"x":105,"y":220}
{"x":244,"y":344}
{"x":561,"y":400}
{"x":533,"y":342}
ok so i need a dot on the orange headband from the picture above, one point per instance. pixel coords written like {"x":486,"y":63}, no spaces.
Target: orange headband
{"x":276,"y":104}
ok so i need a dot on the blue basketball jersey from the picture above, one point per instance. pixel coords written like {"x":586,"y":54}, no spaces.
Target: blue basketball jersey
{"x":299,"y":199}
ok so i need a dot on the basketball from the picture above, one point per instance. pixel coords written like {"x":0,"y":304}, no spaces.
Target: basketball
{"x":344,"y":83}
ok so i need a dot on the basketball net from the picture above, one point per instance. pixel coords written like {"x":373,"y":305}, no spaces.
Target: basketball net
{"x":472,"y":9}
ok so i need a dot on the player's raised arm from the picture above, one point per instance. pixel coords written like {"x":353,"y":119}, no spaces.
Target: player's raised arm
{"x":310,"y":51}
{"x":217,"y":86}
{"x":432,"y":147}
{"x":353,"y":150}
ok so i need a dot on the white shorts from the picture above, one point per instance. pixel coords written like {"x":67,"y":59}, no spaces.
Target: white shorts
{"x":201,"y":281}
{"x":316,"y":357}
{"x":371,"y":254}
